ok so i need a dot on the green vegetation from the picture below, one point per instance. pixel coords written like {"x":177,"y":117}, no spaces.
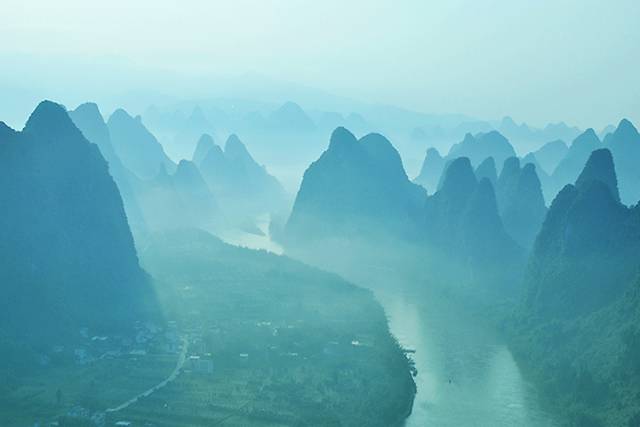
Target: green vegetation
{"x":577,"y":329}
{"x":290,"y":345}
{"x":270,"y":341}
{"x":588,"y":367}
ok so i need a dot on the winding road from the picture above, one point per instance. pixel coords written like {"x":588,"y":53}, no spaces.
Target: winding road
{"x":179,"y":365}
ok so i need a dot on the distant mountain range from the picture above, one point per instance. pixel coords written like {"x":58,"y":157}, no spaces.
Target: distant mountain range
{"x":477,"y":148}
{"x":556,"y":163}
{"x":217,"y":186}
{"x":358,"y":191}
{"x":522,"y":136}
{"x":242,"y":186}
{"x":623,"y":142}
{"x":483,"y":145}
{"x":550,"y":154}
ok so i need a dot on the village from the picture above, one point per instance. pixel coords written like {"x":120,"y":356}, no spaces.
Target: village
{"x":197,"y":351}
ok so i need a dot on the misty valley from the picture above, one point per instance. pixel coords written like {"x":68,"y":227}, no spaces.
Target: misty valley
{"x":295,"y":213}
{"x":492,"y":289}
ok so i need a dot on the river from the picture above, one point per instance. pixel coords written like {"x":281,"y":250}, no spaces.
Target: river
{"x":466,"y":374}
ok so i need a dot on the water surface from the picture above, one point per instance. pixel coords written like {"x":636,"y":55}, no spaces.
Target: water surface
{"x":466,"y":374}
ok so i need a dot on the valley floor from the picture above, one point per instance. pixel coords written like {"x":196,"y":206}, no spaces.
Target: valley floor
{"x":270,"y":342}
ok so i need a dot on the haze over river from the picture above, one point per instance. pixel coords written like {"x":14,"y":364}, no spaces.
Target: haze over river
{"x":466,"y":374}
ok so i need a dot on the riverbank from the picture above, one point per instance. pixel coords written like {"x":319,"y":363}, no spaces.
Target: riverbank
{"x":271,"y":342}
{"x":289,"y":344}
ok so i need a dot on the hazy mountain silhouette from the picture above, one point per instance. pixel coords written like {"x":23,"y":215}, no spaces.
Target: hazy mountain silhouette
{"x":586,"y":252}
{"x":444,"y":210}
{"x":527,"y":138}
{"x":624,"y":144}
{"x":484,"y":237}
{"x":521,"y":202}
{"x":236,"y":179}
{"x":544,"y":177}
{"x":507,"y":181}
{"x":290,"y":117}
{"x":68,"y":255}
{"x":522,"y":136}
{"x":577,"y":328}
{"x":462,"y":220}
{"x":89,"y":120}
{"x":137,"y":148}
{"x":550,"y":155}
{"x":487,"y":169}
{"x":356,"y":188}
{"x":560,"y":131}
{"x":193,"y":127}
{"x":483,"y":145}
{"x":431,"y":170}
{"x":205,"y":143}
{"x":181,"y":200}
{"x":571,"y":165}
{"x":606,"y":131}
{"x":600,"y":168}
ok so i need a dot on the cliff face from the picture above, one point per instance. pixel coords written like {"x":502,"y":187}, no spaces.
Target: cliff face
{"x":69,"y":257}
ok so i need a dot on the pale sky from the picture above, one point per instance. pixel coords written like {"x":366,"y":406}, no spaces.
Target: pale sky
{"x":538,"y":61}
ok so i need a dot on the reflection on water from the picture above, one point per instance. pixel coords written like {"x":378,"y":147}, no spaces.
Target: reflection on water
{"x":466,"y":375}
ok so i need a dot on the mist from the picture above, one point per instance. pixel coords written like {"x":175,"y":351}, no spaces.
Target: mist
{"x":434,"y":57}
{"x":285,"y":213}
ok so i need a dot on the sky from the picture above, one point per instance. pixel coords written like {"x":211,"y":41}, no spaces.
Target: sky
{"x":537,"y":61}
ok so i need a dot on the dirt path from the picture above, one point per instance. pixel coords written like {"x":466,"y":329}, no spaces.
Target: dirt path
{"x":181,"y":360}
